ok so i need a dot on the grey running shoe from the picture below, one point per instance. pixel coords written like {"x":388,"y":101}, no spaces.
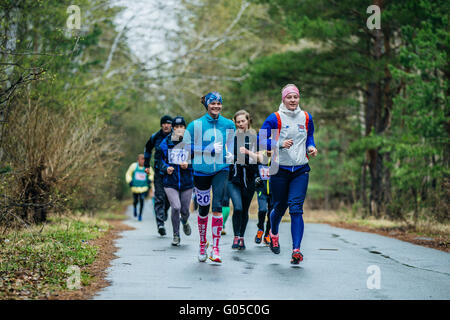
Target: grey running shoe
{"x":187,"y":229}
{"x":176,"y":240}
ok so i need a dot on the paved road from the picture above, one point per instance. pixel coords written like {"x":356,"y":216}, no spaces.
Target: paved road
{"x":338,"y":264}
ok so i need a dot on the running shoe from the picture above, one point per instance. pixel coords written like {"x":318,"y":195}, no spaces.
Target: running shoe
{"x":259,"y":236}
{"x":267,"y":240}
{"x":274,"y":243}
{"x":241,"y":244}
{"x":176,"y":240}
{"x":140,"y":218}
{"x":235,"y":243}
{"x":297,"y":256}
{"x":202,"y":256}
{"x":162,"y":230}
{"x":214,"y":255}
{"x":187,"y":229}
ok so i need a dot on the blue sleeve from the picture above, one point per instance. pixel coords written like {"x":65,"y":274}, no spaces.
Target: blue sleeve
{"x":190,"y":130}
{"x":190,"y":145}
{"x":163,"y":156}
{"x":148,"y":151}
{"x":271,"y":123}
{"x":230,"y":139}
{"x":310,"y":137}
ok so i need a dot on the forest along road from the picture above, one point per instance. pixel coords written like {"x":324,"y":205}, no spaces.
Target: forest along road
{"x":338,"y":264}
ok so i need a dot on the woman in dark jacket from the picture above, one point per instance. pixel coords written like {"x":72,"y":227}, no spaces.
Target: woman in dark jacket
{"x":178,"y":177}
{"x":243,"y":171}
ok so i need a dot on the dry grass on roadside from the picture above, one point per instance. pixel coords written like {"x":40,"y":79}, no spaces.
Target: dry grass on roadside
{"x":425,"y":232}
{"x":424,"y":227}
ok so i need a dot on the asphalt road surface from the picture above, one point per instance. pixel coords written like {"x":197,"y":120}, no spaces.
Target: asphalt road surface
{"x":338,"y":264}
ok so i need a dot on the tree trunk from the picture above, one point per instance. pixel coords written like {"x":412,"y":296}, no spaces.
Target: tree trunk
{"x":363,"y":195}
{"x":387,"y":194}
{"x":9,"y":43}
{"x":375,"y":161}
{"x":377,"y":120}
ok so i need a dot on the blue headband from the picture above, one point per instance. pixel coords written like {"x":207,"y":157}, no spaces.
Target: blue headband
{"x":211,"y":97}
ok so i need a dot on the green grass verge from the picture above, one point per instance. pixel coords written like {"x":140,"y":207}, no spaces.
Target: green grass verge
{"x":34,"y":262}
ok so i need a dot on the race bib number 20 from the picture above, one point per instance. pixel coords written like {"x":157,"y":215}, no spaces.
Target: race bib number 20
{"x":203,"y":197}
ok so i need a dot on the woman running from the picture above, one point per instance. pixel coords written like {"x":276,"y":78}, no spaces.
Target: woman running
{"x":241,"y":184}
{"x":178,"y":179}
{"x":140,"y":183}
{"x":225,"y":210}
{"x":264,"y":200}
{"x":295,"y":142}
{"x":209,"y":137}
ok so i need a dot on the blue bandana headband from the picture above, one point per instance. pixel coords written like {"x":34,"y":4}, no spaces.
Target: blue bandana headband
{"x":211,"y":97}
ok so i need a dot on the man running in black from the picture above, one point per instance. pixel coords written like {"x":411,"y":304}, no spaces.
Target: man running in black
{"x":161,"y":202}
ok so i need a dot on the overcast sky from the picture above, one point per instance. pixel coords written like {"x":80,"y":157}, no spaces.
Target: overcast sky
{"x":149,"y":23}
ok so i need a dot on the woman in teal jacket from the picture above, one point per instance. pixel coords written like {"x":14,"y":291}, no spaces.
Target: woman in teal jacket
{"x":210,"y":137}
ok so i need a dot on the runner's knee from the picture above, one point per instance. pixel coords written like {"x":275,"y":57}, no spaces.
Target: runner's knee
{"x":203,"y":211}
{"x":296,"y":208}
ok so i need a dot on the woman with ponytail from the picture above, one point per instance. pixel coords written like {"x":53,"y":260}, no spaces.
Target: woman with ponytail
{"x":243,"y":171}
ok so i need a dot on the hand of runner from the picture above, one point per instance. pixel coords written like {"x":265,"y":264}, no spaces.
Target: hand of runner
{"x":147,"y":170}
{"x":287,"y":143}
{"x":218,"y":147}
{"x":170,"y":170}
{"x":229,"y":157}
{"x":243,"y":150}
{"x":184,"y":165}
{"x":312,"y":151}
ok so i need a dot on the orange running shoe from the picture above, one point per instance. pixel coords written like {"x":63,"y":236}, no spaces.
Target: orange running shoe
{"x":267,"y":240}
{"x":259,"y":236}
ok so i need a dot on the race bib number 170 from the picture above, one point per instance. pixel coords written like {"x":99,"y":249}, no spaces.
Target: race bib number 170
{"x":177,"y":156}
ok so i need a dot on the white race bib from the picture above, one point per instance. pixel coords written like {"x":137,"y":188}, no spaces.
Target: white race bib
{"x":264,"y":172}
{"x":203,"y":197}
{"x":178,"y":156}
{"x":140,"y":176}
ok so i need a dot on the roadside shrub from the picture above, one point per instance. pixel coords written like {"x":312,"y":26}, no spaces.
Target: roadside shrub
{"x":57,"y":160}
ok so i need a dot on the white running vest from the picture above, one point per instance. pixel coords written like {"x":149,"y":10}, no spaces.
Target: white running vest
{"x":293,"y":126}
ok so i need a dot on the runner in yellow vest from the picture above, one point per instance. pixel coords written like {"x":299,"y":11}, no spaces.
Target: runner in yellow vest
{"x":140,"y":183}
